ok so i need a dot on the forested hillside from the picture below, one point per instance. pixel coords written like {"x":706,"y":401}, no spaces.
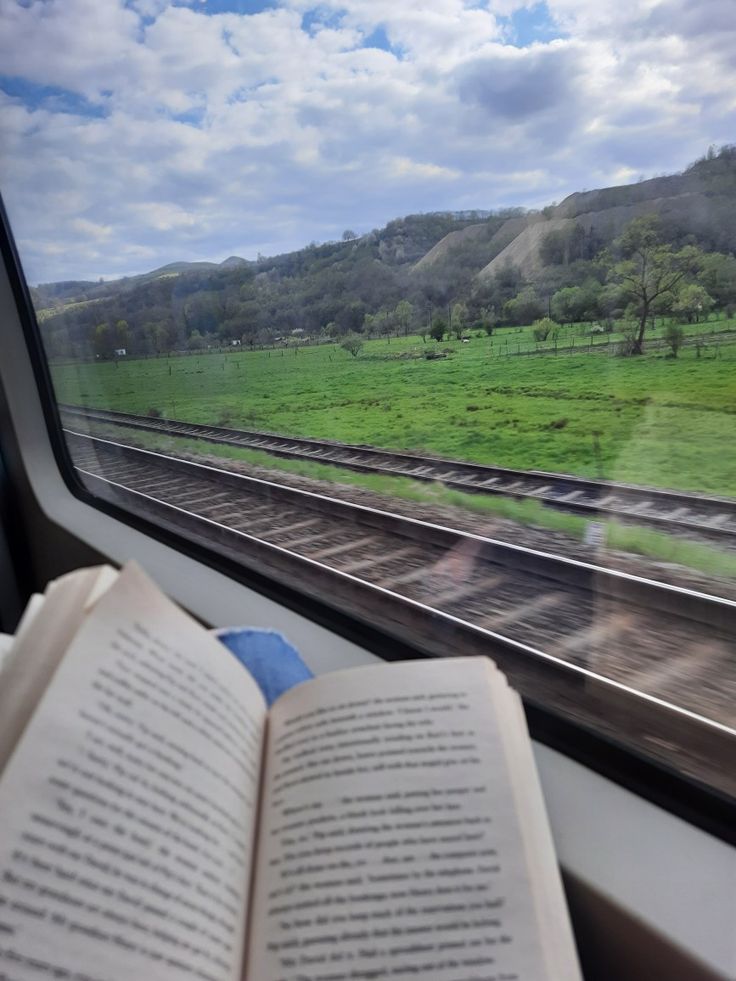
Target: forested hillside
{"x":429,"y":274}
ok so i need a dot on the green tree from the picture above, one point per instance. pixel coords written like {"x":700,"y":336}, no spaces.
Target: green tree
{"x":692,"y":302}
{"x":649,"y":270}
{"x":103,"y":341}
{"x":385,"y":323}
{"x":438,"y":328}
{"x":459,"y":318}
{"x":203,"y":311}
{"x":544,"y":328}
{"x":569,"y":304}
{"x":161,"y":337}
{"x":525,"y":307}
{"x":487,"y":319}
{"x":350,"y":316}
{"x":403,"y":315}
{"x":718,"y":277}
{"x":352,"y":344}
{"x":121,"y":335}
{"x":567,"y":245}
{"x":195,"y":342}
{"x":611,"y":302}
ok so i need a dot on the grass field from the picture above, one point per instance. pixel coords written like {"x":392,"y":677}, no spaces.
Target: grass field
{"x":650,"y":420}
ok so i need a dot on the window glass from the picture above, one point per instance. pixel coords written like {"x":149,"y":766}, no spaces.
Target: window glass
{"x":428,"y":310}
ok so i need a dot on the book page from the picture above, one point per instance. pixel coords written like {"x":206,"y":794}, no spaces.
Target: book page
{"x":390,"y":843}
{"x":128,"y":807}
{"x":558,"y":943}
{"x":44,"y":633}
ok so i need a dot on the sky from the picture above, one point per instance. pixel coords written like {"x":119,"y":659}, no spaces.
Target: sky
{"x":134,"y":133}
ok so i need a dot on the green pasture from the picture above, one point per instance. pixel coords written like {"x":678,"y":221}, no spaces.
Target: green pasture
{"x":580,"y":337}
{"x":656,"y":420}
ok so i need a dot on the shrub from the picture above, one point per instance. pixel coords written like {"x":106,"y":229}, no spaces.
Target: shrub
{"x":352,"y":344}
{"x":438,"y":328}
{"x":544,"y":328}
{"x":674,"y":336}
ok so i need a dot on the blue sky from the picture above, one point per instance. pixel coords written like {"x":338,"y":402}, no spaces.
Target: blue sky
{"x":35,"y":96}
{"x":531,"y":25}
{"x":139,"y":132}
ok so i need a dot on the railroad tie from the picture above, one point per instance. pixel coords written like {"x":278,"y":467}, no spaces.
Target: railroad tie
{"x":248,"y":524}
{"x":591,"y":637}
{"x":304,"y":539}
{"x":461,"y":593}
{"x":229,"y":512}
{"x":332,"y":550}
{"x":378,"y":560}
{"x":686,"y":667}
{"x":388,"y":582}
{"x":298,"y":525}
{"x":522,"y":610}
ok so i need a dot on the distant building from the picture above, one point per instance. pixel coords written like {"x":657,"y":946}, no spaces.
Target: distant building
{"x":235,"y":343}
{"x":120,"y":352}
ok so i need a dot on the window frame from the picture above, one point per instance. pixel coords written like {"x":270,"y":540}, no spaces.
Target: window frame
{"x":578,"y":770}
{"x":683,"y":796}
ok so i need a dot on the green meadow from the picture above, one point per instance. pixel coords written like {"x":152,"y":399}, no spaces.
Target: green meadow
{"x":655,"y":420}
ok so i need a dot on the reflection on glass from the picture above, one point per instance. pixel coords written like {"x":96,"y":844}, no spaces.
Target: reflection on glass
{"x":545,"y":389}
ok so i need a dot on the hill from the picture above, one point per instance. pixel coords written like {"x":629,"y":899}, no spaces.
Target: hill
{"x":478,"y":261}
{"x":698,"y":205}
{"x":47,"y":295}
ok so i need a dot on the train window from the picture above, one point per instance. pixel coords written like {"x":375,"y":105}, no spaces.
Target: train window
{"x":423,"y":317}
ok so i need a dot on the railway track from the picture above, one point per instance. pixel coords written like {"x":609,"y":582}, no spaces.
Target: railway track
{"x":588,"y":639}
{"x":712,"y":517}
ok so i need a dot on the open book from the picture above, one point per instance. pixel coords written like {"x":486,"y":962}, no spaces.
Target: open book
{"x":157,"y":821}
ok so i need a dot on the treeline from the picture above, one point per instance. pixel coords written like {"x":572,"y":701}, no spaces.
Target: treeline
{"x":372,"y":285}
{"x":320,"y":290}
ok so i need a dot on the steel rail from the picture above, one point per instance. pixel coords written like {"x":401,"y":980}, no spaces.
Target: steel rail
{"x":714,"y":611}
{"x":696,"y":513}
{"x":545,"y":677}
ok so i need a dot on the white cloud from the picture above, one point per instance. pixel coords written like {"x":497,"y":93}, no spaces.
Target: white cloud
{"x":215,"y":134}
{"x":162,"y":217}
{"x":403,"y":167}
{"x":91,"y":229}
